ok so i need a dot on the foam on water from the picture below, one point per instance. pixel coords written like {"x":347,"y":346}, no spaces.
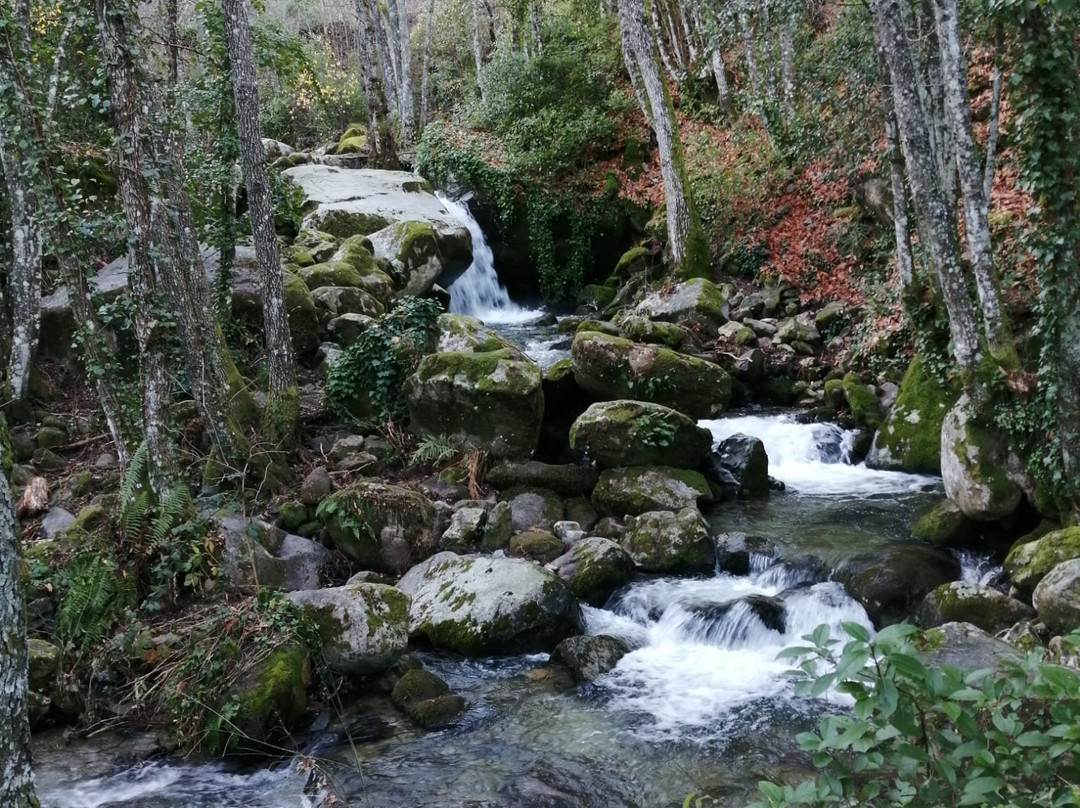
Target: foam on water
{"x":478,"y":292}
{"x":702,"y":650}
{"x":815,"y":459}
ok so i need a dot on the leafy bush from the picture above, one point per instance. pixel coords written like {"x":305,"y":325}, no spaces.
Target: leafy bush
{"x":934,"y":736}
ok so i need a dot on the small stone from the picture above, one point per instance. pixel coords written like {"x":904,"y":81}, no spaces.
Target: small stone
{"x":316,"y":486}
{"x":589,"y":657}
{"x":343,"y":447}
{"x":538,"y":545}
{"x":55,"y":522}
{"x":48,"y":460}
{"x":49,"y":437}
{"x":106,"y":461}
{"x":569,"y":532}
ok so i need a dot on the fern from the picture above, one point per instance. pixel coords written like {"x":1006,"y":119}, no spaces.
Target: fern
{"x":172,"y":510}
{"x":96,"y":593}
{"x":135,"y":477}
{"x":137,"y":502}
{"x":433,"y":450}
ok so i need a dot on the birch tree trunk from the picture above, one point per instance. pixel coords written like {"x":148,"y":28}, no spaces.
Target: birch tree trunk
{"x":369,"y":80}
{"x":719,"y":70}
{"x":976,"y":211}
{"x":282,"y":400}
{"x":936,"y":226}
{"x":665,"y":58}
{"x":943,"y":138}
{"x":425,"y":77}
{"x":404,"y":62}
{"x":477,"y":45}
{"x":995,"y":116}
{"x":16,"y":765}
{"x":901,"y":228}
{"x":384,"y":56}
{"x":686,"y":239}
{"x":128,"y":113}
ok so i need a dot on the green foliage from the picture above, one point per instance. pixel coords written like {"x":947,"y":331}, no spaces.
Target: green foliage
{"x":367,"y":381}
{"x":351,"y":512}
{"x":96,"y":591}
{"x":433,"y":451}
{"x":922,"y":735}
{"x":654,"y":428}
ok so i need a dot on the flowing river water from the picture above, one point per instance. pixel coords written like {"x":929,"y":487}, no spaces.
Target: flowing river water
{"x":700,"y":703}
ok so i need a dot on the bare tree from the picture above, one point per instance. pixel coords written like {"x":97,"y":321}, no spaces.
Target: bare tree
{"x":425,"y":78}
{"x":281,"y":401}
{"x":477,"y":45}
{"x":403,"y":44}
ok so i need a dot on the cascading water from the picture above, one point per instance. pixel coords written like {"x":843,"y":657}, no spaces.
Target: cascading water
{"x":478,"y":292}
{"x":815,"y":459}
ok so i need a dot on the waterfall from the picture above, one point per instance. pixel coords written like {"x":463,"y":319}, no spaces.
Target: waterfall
{"x":478,"y":292}
{"x":815,"y":459}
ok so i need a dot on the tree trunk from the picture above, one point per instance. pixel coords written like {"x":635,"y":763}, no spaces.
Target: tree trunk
{"x":138,"y":202}
{"x":425,"y":78}
{"x":16,"y":763}
{"x":995,"y":116}
{"x":385,"y":57}
{"x":172,"y":39}
{"x":665,"y":58}
{"x":901,"y":228}
{"x":477,"y":45}
{"x":943,"y":137}
{"x":936,"y":227}
{"x":686,"y":239}
{"x":535,"y":20}
{"x":369,"y":80}
{"x":404,"y":60}
{"x":787,"y":65}
{"x":749,"y":47}
{"x":281,"y":404}
{"x":719,"y":69}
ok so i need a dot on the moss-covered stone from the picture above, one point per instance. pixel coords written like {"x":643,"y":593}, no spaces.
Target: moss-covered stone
{"x":332,"y":273}
{"x":639,"y":489}
{"x":303,"y":317}
{"x":499,"y":528}
{"x":642,"y":329}
{"x":670,"y":543}
{"x":909,"y":438}
{"x":1028,"y":563}
{"x":615,"y":368}
{"x":698,"y":304}
{"x":463,"y":334}
{"x":345,"y":223}
{"x":596,"y":297}
{"x":594,"y":568}
{"x":415,"y":686}
{"x":863,"y":404}
{"x":975,"y":468}
{"x":635,"y":433}
{"x":50,"y":437}
{"x":631,"y":262}
{"x":352,"y":145}
{"x":600,"y":326}
{"x":538,"y":545}
{"x":270,"y":700}
{"x":292,"y":515}
{"x":943,"y":524}
{"x":317,"y":244}
{"x":982,"y":606}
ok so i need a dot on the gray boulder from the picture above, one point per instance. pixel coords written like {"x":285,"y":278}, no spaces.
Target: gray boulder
{"x":257,"y":554}
{"x":640,"y":489}
{"x":481,"y":605}
{"x":538,"y":508}
{"x":1057,"y":597}
{"x":594,"y":568}
{"x":364,"y":628}
{"x":744,"y":458}
{"x":636,"y":433}
{"x":588,"y":658}
{"x":698,"y":304}
{"x":571,"y":479}
{"x":982,"y":606}
{"x":974,"y":467}
{"x":892,"y":582}
{"x":666,"y":542}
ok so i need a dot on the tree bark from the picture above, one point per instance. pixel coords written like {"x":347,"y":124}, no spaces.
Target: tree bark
{"x":976,"y":224}
{"x":477,"y":45}
{"x":787,"y":65}
{"x":282,"y":397}
{"x":661,"y":47}
{"x":901,"y":228}
{"x":16,"y":762}
{"x":425,"y":78}
{"x":130,"y":155}
{"x":749,"y":48}
{"x":686,"y":239}
{"x":535,"y":22}
{"x":936,"y":226}
{"x":369,"y":80}
{"x":995,"y":116}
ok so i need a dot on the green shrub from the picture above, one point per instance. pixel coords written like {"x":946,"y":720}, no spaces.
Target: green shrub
{"x":932,"y":736}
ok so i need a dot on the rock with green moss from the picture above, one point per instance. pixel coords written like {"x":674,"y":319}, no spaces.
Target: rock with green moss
{"x":615,"y":368}
{"x":637,"y":433}
{"x":1057,"y":597}
{"x":635,"y":490}
{"x":483,"y":605}
{"x":259,"y":555}
{"x":596,"y":297}
{"x":363,"y":628}
{"x":600,"y":326}
{"x":909,"y":438}
{"x":352,"y":144}
{"x":862,"y":402}
{"x":570,"y":479}
{"x":270,"y":699}
{"x":891,"y":583}
{"x":380,"y":526}
{"x":642,"y":329}
{"x":945,"y":525}
{"x":292,"y":515}
{"x":459,"y":333}
{"x":332,"y":302}
{"x":977,"y":604}
{"x":318,"y":246}
{"x":44,"y":665}
{"x":741,"y":464}
{"x":698,"y":304}
{"x":965,"y":646}
{"x":332,"y":273}
{"x":412,"y":248}
{"x":51,"y":437}
{"x":537,"y":545}
{"x":975,"y":466}
{"x":491,"y":400}
{"x":303,"y":317}
{"x":356,"y":252}
{"x":670,"y":542}
{"x":587,"y":657}
{"x":633,"y":261}
{"x":594,"y":568}
{"x":1028,"y":563}
{"x":499,"y":527}
{"x":426,"y":699}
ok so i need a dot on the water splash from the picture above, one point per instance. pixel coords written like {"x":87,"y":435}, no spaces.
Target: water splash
{"x":815,"y":459}
{"x":478,"y":292}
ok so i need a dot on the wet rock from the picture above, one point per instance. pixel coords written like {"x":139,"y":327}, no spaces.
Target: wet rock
{"x":426,"y":699}
{"x":589,"y":657}
{"x":1057,"y":597}
{"x":892,"y":582}
{"x":481,"y":605}
{"x":536,"y":545}
{"x":944,"y":525}
{"x":381,"y":526}
{"x":614,"y":368}
{"x":736,"y":552}
{"x":974,"y":467}
{"x":364,"y":627}
{"x":667,"y":542}
{"x":594,"y":568}
{"x":696,"y":304}
{"x":862,"y":401}
{"x":635,"y":433}
{"x":744,"y":458}
{"x":271,"y":699}
{"x":466,"y":528}
{"x":639,"y":489}
{"x":909,"y":439}
{"x":459,"y":333}
{"x":966,"y":647}
{"x":538,"y":508}
{"x":1029,"y":562}
{"x":499,"y":527}
{"x":734,"y":619}
{"x":316,"y":486}
{"x":568,"y":480}
{"x":982,"y":606}
{"x":259,"y":555}
{"x":48,"y":460}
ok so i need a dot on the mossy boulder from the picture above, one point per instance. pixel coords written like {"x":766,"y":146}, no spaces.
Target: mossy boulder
{"x":570,"y":479}
{"x":363,"y":628}
{"x":600,"y":326}
{"x":594,"y":568}
{"x":426,"y":699}
{"x":862,"y":402}
{"x":413,"y":249}
{"x":639,"y":489}
{"x":587,"y":658}
{"x":270,"y":699}
{"x":975,"y":466}
{"x":943,"y":524}
{"x":1029,"y":562}
{"x":380,"y":526}
{"x":531,"y":508}
{"x":331,"y":273}
{"x":642,"y":329}
{"x":909,"y":438}
{"x":741,"y":461}
{"x":499,"y":527}
{"x":698,"y":304}
{"x":891,"y":583}
{"x":459,"y":333}
{"x":615,"y":368}
{"x":482,"y":605}
{"x":632,"y":262}
{"x":637,"y":433}
{"x":332,"y":302}
{"x":596,"y":297}
{"x":303,"y":317}
{"x":1057,"y":597}
{"x":979,"y":605}
{"x":670,"y":542}
{"x":317,"y":245}
{"x":492,"y":400}
{"x":537,"y":545}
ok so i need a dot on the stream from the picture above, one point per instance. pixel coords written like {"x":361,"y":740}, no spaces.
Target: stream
{"x":701,"y":703}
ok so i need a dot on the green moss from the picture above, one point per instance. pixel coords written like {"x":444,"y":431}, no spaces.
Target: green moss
{"x":599,"y":326}
{"x":697,"y":260}
{"x":1028,"y":563}
{"x":273,"y":697}
{"x":642,"y":329}
{"x":492,"y":371}
{"x":596,"y":296}
{"x":864,"y":405}
{"x":640,"y":489}
{"x":299,"y":256}
{"x":352,"y":145}
{"x":539,"y":545}
{"x":911,"y":433}
{"x":634,"y":260}
{"x":343,"y":223}
{"x":303,"y":316}
{"x":416,"y":686}
{"x":942,"y":524}
{"x":333,"y":273}
{"x":292,"y":515}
